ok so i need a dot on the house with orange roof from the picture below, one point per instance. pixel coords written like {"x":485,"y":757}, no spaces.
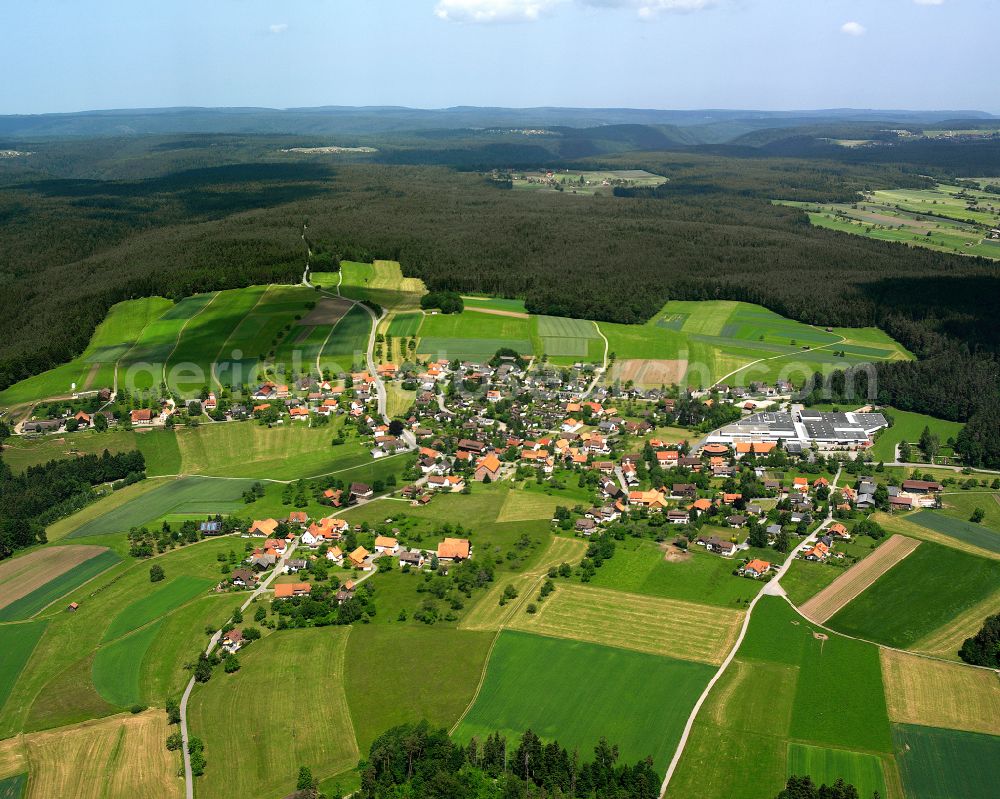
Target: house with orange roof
{"x":800,"y":484}
{"x":839,"y":531}
{"x":573,"y":407}
{"x":571,"y":425}
{"x":286,"y":590}
{"x":653,"y":499}
{"x":756,"y":568}
{"x":335,"y":554}
{"x":262,"y":528}
{"x":488,"y":467}
{"x":701,"y":505}
{"x":301,"y":414}
{"x":454,"y":549}
{"x":299,"y":517}
{"x":357,"y":559}
{"x":729,"y":499}
{"x":385,"y":544}
{"x":819,"y":551}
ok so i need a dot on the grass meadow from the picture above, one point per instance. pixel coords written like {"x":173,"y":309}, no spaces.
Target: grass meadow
{"x":908,"y":426}
{"x":535,"y":682}
{"x":40,"y":598}
{"x":259,"y":758}
{"x":165,"y":598}
{"x":17,"y":642}
{"x":978,"y":535}
{"x":943,"y":764}
{"x":825,"y":766}
{"x":925,"y":591}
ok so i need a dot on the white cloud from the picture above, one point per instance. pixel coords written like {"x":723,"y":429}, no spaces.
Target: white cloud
{"x":278,"y":27}
{"x":929,"y":2}
{"x":650,"y":8}
{"x":493,"y":10}
{"x":853,"y":29}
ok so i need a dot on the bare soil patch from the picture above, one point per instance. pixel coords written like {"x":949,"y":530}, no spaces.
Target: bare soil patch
{"x":20,"y":576}
{"x":499,"y":312}
{"x":91,"y":376}
{"x":856,"y":579}
{"x":650,"y":372}
{"x":328,"y":311}
{"x":674,"y":554}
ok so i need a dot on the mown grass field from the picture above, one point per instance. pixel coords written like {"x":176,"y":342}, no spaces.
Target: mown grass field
{"x":825,"y":766}
{"x":534,"y":682}
{"x":27,"y":605}
{"x":382,"y":283}
{"x":922,"y":593}
{"x":646,"y":624}
{"x":639,"y":567}
{"x":183,"y":495}
{"x":117,"y":666}
{"x":908,"y":426}
{"x":406,"y":324}
{"x":449,"y":663}
{"x":944,"y":764}
{"x":166,"y":597}
{"x":261,"y":758}
{"x":495,"y":304}
{"x":946,"y":641}
{"x":785,"y":686}
{"x":804,"y":579}
{"x":19,"y":453}
{"x":932,"y":693}
{"x":122,"y":757}
{"x":17,"y":642}
{"x":901,"y":523}
{"x":345,"y":350}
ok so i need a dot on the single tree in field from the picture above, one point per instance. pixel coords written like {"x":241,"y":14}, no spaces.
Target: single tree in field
{"x":977,"y":515}
{"x":156,"y":573}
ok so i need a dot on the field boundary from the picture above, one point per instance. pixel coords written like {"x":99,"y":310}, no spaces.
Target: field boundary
{"x":857,"y":579}
{"x":215,"y":360}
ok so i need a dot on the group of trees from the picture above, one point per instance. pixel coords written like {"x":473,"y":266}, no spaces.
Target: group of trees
{"x":983,"y":649}
{"x":44,"y":493}
{"x":416,"y":760}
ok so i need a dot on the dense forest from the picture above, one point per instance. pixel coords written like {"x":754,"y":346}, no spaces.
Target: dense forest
{"x":415,"y":760}
{"x":70,"y":248}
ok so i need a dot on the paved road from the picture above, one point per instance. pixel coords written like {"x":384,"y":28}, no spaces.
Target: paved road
{"x":771,"y":588}
{"x":188,"y":777}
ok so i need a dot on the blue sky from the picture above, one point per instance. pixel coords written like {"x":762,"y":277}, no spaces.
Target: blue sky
{"x":70,"y":55}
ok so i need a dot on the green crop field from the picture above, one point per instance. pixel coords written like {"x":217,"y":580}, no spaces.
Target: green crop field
{"x":41,"y":597}
{"x":770,"y":697}
{"x":471,"y":324}
{"x":472,"y":349}
{"x":563,"y":327}
{"x":172,"y":594}
{"x":13,"y":787}
{"x":534,"y":682}
{"x":184,"y":495}
{"x":258,"y":757}
{"x":382,"y":283}
{"x":805,"y":579}
{"x":945,"y":764}
{"x":919,"y":595}
{"x":448,"y":661}
{"x":348,"y":343}
{"x":406,"y":324}
{"x":20,"y":452}
{"x":17,"y":642}
{"x":639,"y":567}
{"x":118,"y":666}
{"x":977,"y":535}
{"x":825,"y":766}
{"x":112,"y":339}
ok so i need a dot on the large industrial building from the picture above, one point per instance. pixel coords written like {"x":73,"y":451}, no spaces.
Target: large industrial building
{"x":806,"y":426}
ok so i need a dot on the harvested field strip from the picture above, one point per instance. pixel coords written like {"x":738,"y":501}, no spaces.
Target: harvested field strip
{"x":947,"y":640}
{"x":933,"y":693}
{"x":161,"y":601}
{"x":857,"y":578}
{"x":646,"y":624}
{"x":945,"y":764}
{"x":17,"y":642}
{"x":30,"y":604}
{"x":122,"y":757}
{"x":20,"y":576}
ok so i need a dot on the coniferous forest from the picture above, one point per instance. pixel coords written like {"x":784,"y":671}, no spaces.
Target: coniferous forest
{"x":70,"y":247}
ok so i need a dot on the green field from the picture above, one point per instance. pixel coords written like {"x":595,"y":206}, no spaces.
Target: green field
{"x":348,"y":344}
{"x":639,"y":567}
{"x":471,"y":349}
{"x":495,"y":304}
{"x":30,"y":604}
{"x":13,"y":787}
{"x":786,"y":686}
{"x":473,"y":336}
{"x":163,"y":599}
{"x":976,"y":534}
{"x":946,"y":218}
{"x":534,"y":683}
{"x":825,"y":766}
{"x":448,"y":661}
{"x":118,"y":666}
{"x":185,"y":495}
{"x":382,"y":283}
{"x":918,"y":595}
{"x":946,"y":764}
{"x":908,"y":426}
{"x":804,"y":579}
{"x":258,"y":756}
{"x":405,"y":324}
{"x":17,"y":642}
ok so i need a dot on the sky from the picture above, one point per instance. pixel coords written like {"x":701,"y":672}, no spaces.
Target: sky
{"x":73,"y":55}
